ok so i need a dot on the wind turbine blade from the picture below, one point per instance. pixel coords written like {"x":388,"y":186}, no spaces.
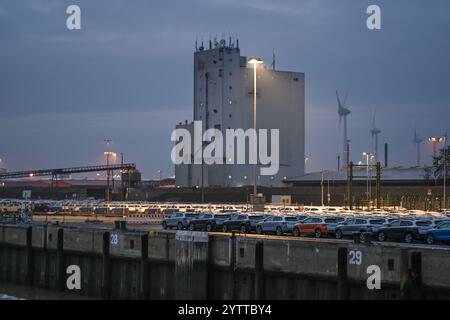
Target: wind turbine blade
{"x":338,"y":100}
{"x":373,"y":119}
{"x":345,"y":99}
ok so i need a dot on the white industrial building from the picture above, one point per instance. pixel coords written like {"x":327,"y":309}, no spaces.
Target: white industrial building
{"x":223,"y":99}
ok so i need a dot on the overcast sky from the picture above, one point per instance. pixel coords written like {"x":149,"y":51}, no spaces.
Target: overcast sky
{"x":127,"y":75}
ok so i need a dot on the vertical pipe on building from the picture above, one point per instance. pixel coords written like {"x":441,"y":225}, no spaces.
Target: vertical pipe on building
{"x":206,"y":128}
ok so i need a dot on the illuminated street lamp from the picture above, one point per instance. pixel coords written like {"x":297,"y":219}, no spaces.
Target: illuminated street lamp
{"x":255,"y":61}
{"x":434,"y":141}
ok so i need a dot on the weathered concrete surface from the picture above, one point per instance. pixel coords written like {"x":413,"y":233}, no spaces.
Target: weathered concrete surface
{"x":308,"y":258}
{"x":125,"y":244}
{"x":436,"y":268}
{"x":39,"y":236}
{"x":191,"y":265}
{"x":184,"y":265}
{"x":15,"y":235}
{"x":88,"y":240}
{"x":161,"y":246}
{"x":375,"y":255}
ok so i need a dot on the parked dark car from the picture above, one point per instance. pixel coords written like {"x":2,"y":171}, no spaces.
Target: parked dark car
{"x":240,"y":222}
{"x":405,"y":230}
{"x":255,"y":219}
{"x":55,"y":208}
{"x":347,"y":228}
{"x":101,"y":210}
{"x":205,"y":221}
{"x":41,"y":208}
{"x":179,"y":220}
{"x":220,"y":218}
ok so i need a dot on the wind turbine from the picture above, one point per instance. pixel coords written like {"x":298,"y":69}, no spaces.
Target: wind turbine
{"x":343,"y":112}
{"x":374,"y":131}
{"x":417,"y":142}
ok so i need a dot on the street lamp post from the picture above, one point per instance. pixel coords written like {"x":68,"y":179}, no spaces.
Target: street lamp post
{"x":445,"y":172}
{"x":108,"y":154}
{"x":321,"y":187}
{"x":369,"y":157}
{"x":255,"y":61}
{"x":108,"y":144}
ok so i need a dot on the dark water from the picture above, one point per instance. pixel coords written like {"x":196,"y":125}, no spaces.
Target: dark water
{"x":11,"y":292}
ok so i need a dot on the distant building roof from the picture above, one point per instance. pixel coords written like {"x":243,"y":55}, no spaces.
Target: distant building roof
{"x":390,"y":174}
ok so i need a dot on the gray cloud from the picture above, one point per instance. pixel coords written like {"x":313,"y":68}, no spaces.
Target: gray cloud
{"x":128,"y":72}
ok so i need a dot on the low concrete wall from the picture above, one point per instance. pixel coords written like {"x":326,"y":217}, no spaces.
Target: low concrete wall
{"x":184,"y":265}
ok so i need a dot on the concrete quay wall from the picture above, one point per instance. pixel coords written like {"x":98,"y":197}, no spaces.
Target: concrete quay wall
{"x":123,"y":264}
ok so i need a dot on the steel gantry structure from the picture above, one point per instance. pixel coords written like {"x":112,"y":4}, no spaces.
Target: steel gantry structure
{"x":55,"y":172}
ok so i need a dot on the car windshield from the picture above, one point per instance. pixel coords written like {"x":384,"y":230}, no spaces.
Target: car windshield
{"x":378,"y":221}
{"x":256,"y":217}
{"x":423,"y":223}
{"x":222,"y":216}
{"x":291,"y":219}
{"x":242,"y":217}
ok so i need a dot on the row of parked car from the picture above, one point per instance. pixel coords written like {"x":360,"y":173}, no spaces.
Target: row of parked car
{"x":381,"y":229}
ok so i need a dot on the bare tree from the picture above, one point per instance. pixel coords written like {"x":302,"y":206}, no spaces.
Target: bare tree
{"x":438,"y":163}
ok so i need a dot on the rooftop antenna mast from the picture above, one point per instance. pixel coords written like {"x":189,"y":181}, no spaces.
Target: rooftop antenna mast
{"x":273,"y":59}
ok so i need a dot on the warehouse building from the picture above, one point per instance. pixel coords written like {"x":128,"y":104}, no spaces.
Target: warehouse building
{"x":223,"y":99}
